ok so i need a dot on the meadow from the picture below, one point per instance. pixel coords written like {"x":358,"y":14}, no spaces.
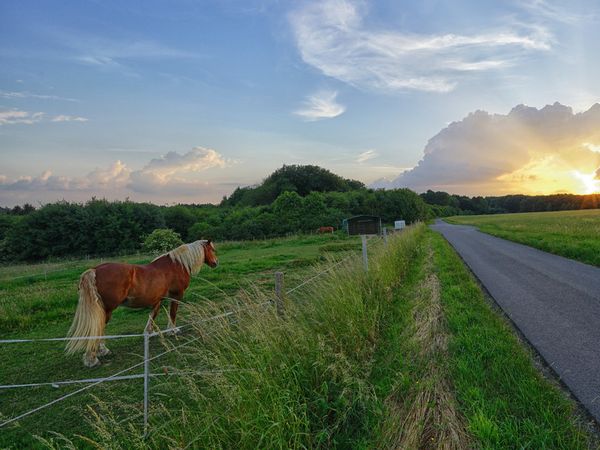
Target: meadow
{"x":38,"y":301}
{"x":572,"y":234}
{"x":406,"y":355}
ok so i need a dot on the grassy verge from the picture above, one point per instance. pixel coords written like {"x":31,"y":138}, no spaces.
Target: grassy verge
{"x":506,"y":402}
{"x":573,"y":234}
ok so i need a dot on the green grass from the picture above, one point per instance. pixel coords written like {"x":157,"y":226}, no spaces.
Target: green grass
{"x":573,"y":234}
{"x":42,"y":305}
{"x":505,"y":400}
{"x":409,"y":352}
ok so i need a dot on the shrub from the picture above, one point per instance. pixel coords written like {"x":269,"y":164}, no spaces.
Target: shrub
{"x":162,"y":240}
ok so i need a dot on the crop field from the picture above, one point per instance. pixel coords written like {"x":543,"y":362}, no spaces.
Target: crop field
{"x":572,"y":234}
{"x":38,"y":301}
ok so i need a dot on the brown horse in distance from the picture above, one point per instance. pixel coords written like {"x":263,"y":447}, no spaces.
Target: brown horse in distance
{"x":109,"y":285}
{"x":322,"y":230}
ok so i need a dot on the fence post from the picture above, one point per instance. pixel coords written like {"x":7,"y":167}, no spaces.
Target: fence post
{"x":364,"y":252}
{"x":279,"y":293}
{"x":385,"y":236}
{"x":146,"y":371}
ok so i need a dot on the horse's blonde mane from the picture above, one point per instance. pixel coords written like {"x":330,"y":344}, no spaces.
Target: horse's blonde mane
{"x":190,"y":256}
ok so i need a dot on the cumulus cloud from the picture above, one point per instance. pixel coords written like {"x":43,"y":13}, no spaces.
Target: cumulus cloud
{"x":176,"y":172}
{"x":527,"y":150}
{"x":14,"y":117}
{"x":332,"y":37}
{"x":321,"y":105}
{"x":173,"y":173}
{"x":113,"y":177}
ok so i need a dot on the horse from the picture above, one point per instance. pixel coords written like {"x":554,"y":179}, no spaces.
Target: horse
{"x":322,"y":230}
{"x":109,"y":285}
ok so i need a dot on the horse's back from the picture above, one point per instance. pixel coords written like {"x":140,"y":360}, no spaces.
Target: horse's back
{"x":113,"y":281}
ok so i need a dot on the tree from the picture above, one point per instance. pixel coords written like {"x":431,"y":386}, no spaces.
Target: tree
{"x":161,"y":241}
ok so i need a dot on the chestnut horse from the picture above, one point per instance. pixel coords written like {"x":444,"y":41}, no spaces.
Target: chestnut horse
{"x":109,"y":285}
{"x":322,"y":230}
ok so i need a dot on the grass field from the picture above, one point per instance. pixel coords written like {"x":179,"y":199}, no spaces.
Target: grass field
{"x":39,"y":301}
{"x":408,"y":355}
{"x":573,"y":234}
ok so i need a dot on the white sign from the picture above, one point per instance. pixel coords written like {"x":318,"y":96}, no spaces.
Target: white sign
{"x":399,"y":224}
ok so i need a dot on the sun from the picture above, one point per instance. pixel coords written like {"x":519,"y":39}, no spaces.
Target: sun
{"x":588,"y":181}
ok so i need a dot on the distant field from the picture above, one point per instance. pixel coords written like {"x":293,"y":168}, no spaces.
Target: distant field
{"x":39,"y":301}
{"x":573,"y":234}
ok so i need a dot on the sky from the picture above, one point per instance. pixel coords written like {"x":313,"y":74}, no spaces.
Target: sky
{"x":183,"y":101}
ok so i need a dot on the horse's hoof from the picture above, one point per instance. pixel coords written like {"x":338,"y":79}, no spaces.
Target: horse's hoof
{"x":103,"y":351}
{"x":173,"y":331}
{"x":90,"y":363}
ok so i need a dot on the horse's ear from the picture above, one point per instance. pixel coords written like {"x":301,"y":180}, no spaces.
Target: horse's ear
{"x":209,"y":241}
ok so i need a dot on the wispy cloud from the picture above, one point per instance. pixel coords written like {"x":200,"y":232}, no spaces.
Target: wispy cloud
{"x":555,"y":11}
{"x":117,"y":53}
{"x":321,"y":105}
{"x":25,"y":95}
{"x":332,"y":37}
{"x":367,"y":155}
{"x":15,"y":117}
{"x":66,"y":118}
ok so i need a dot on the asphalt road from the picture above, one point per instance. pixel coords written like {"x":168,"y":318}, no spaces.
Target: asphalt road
{"x":554,"y":301}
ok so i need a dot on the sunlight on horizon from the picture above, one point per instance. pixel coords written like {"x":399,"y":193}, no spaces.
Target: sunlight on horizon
{"x":588,"y":180}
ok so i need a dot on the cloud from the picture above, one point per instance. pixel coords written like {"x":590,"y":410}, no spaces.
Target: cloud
{"x":527,"y":150}
{"x":365,"y":156}
{"x":114,"y":177}
{"x":176,"y":172}
{"x":65,"y":118}
{"x":14,"y":117}
{"x":555,"y":11}
{"x":25,"y":94}
{"x":173,"y":173}
{"x":333,"y":38}
{"x":321,"y":105}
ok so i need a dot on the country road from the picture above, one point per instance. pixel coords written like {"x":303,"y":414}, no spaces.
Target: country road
{"x":554,"y":301}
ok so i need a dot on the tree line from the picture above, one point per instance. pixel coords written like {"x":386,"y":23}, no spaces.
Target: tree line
{"x":293,"y":199}
{"x":101,"y":227}
{"x":443,"y":204}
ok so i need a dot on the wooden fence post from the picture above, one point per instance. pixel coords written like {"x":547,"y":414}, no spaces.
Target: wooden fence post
{"x":364,"y":252}
{"x":279,"y":293}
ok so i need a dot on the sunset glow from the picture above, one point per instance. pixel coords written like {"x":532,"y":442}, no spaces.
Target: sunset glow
{"x":186,"y":101}
{"x":590,"y":184}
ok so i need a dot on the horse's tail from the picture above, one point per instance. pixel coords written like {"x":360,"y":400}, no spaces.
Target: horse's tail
{"x":89,"y":317}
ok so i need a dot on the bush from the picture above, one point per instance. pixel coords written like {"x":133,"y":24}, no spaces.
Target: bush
{"x":162,"y":240}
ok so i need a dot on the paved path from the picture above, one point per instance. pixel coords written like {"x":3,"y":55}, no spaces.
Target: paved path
{"x":554,"y":301}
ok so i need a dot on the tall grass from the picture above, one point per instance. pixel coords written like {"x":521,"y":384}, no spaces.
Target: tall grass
{"x":301,"y":381}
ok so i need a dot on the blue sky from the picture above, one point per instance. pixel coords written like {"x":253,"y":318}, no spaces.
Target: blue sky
{"x":185,"y":100}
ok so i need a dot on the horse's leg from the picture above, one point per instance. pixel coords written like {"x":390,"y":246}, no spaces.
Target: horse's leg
{"x":173,"y":312}
{"x":102,"y":349}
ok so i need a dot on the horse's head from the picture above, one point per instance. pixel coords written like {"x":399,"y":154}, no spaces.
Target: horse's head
{"x":210,"y":254}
